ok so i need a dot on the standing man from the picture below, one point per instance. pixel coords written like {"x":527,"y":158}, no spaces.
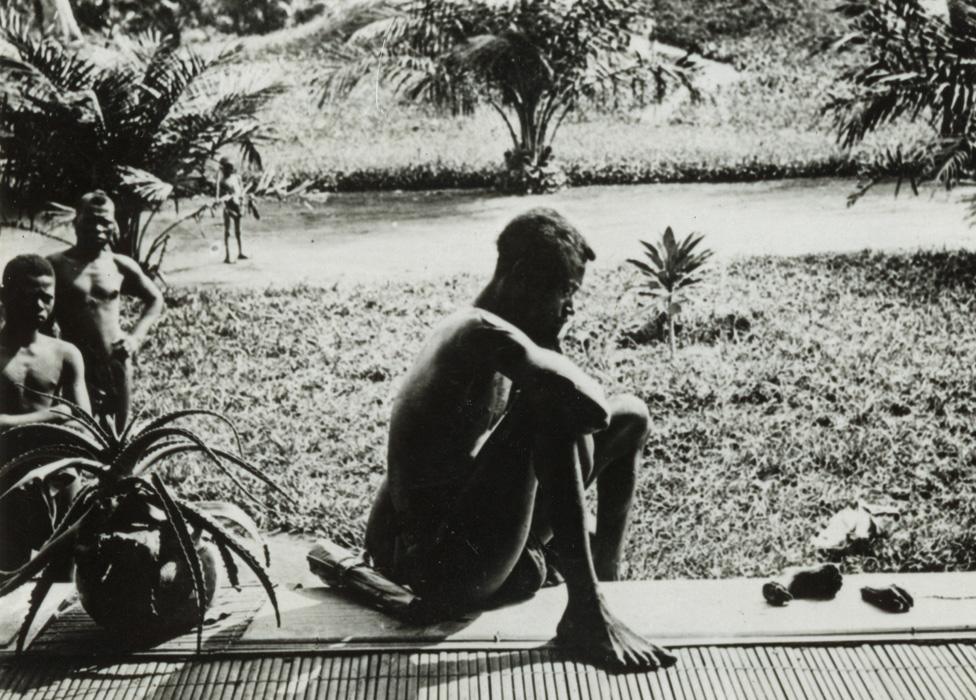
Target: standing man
{"x":493,"y":438}
{"x":34,"y":368}
{"x":90,"y":282}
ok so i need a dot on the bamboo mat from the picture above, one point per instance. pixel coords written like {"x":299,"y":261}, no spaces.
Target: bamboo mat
{"x":867,"y":671}
{"x":72,"y":632}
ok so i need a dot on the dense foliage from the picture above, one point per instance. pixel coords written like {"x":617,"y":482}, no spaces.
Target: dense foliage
{"x":533,"y":62}
{"x":907,"y":62}
{"x":143,"y":123}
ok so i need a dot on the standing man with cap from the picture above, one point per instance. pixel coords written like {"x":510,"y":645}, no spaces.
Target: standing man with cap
{"x":90,"y":282}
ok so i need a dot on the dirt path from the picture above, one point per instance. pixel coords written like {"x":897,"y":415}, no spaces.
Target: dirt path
{"x":418,"y":235}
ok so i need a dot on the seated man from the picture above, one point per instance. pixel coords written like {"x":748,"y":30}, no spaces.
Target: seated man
{"x":90,"y":282}
{"x":33,"y":368}
{"x":490,"y":450}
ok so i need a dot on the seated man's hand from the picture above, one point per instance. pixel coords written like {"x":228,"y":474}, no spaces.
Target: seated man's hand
{"x":561,"y":391}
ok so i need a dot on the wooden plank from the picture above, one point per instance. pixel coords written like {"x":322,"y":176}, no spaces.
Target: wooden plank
{"x":729,"y":611}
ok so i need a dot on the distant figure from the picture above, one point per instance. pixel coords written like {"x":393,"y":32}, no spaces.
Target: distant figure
{"x":493,"y":438}
{"x":230,"y":190}
{"x":33,"y":369}
{"x":90,"y":282}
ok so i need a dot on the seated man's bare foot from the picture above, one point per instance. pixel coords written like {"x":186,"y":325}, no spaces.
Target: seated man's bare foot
{"x":776,"y":594}
{"x":893,"y":599}
{"x":593,"y":633}
{"x":816,"y":583}
{"x":228,"y":261}
{"x":242,"y":257}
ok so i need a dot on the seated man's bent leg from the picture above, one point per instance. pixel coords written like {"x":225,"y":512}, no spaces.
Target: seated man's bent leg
{"x":617,"y":453}
{"x":483,"y":536}
{"x":610,"y":459}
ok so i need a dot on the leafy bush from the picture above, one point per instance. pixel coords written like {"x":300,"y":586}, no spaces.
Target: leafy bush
{"x":532,"y":62}
{"x":144,"y":126}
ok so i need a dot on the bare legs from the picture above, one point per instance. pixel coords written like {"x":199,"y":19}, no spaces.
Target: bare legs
{"x":485,"y":532}
{"x":228,"y":218}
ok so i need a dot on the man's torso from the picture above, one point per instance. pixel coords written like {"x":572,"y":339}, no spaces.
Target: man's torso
{"x":88,"y":302}
{"x":449,"y":401}
{"x":28,"y":372}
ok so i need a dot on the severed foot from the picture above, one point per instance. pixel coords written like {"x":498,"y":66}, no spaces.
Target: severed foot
{"x":596,"y":636}
{"x":816,"y":583}
{"x":893,"y":599}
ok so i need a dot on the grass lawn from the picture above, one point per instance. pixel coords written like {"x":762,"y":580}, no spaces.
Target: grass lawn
{"x":846,"y":377}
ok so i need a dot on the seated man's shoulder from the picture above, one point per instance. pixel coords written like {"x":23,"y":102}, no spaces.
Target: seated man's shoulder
{"x":472,"y":324}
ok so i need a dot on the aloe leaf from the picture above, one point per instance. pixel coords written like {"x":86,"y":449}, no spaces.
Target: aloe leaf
{"x":222,"y":510}
{"x":128,"y":457}
{"x":37,"y":596}
{"x":177,"y":523}
{"x":225,"y":554}
{"x":28,"y":461}
{"x":87,"y":421}
{"x":43,"y":434}
{"x":237,"y":461}
{"x":77,"y":413}
{"x":49,"y":470}
{"x":176,"y":415}
{"x":221,"y":536}
{"x":60,"y":545}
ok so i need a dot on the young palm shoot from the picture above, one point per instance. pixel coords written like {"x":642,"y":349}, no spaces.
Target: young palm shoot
{"x":143,"y":569}
{"x":671,"y":268}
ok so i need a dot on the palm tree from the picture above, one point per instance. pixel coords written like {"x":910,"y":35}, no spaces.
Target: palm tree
{"x":142,"y":122}
{"x":910,"y":62}
{"x":532,"y":61}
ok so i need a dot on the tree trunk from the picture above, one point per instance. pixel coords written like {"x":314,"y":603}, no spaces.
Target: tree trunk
{"x":671,"y":343}
{"x":59,"y":13}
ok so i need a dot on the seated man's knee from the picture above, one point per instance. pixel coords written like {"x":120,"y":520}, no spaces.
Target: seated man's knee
{"x":630,"y":415}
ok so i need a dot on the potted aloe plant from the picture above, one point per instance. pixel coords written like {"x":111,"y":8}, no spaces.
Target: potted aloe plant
{"x":145,"y":560}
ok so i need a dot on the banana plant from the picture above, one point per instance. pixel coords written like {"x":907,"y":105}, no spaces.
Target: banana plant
{"x":670,"y":269}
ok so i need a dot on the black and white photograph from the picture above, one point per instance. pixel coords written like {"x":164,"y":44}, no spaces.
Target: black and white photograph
{"x":488,"y":349}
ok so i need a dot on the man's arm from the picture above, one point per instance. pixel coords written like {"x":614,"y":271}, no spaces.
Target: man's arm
{"x":73,"y":378}
{"x":544,"y":375}
{"x":138,"y":284}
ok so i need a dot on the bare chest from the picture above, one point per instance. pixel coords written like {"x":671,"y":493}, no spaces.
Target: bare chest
{"x":97,"y":283}
{"x":24,"y":374}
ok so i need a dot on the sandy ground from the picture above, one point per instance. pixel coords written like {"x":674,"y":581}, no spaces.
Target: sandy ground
{"x":420,"y":235}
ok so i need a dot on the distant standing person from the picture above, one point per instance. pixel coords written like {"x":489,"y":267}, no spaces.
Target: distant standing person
{"x":90,"y":282}
{"x":230,"y":191}
{"x":34,"y":369}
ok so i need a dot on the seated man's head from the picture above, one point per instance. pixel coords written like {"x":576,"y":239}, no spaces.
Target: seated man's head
{"x":541,"y":260}
{"x":28,"y":292}
{"x":95,"y":221}
{"x":226,"y":165}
